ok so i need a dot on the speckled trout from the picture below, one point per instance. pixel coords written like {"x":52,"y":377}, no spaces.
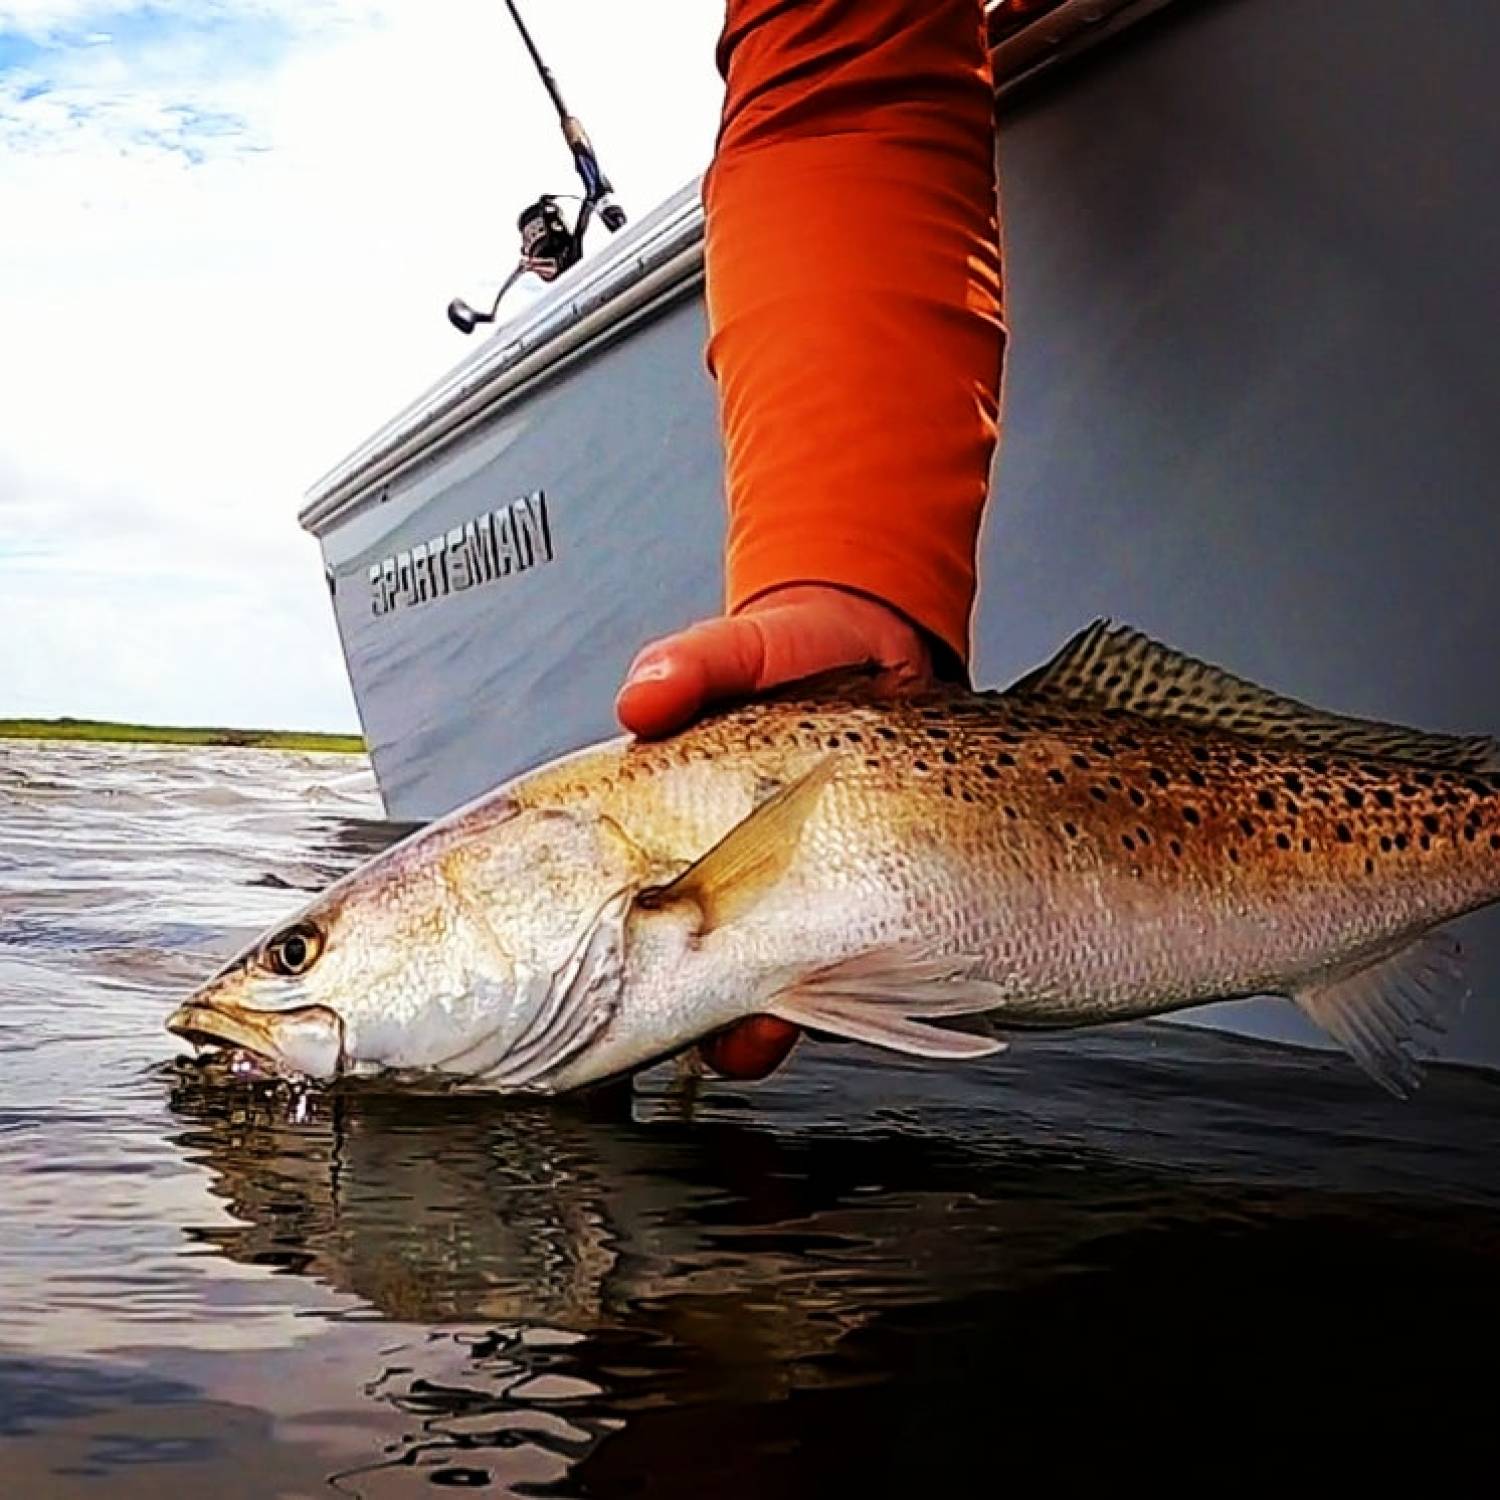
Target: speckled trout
{"x":1123,"y":833}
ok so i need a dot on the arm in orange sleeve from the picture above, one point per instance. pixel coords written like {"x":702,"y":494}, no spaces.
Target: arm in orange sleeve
{"x":854,"y":300}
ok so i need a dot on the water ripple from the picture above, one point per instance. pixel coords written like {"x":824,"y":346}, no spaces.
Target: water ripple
{"x":857,"y":1277}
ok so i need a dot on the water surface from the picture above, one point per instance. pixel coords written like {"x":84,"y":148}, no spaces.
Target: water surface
{"x":1084,"y":1256}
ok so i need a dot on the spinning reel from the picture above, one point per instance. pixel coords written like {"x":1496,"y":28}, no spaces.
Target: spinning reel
{"x":549,"y":244}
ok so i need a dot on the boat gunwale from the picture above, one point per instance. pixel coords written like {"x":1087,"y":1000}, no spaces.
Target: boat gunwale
{"x":649,"y":269}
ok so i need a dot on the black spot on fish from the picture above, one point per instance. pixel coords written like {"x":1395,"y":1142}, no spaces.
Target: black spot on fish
{"x":1137,"y":797}
{"x":1431,"y":822}
{"x":854,"y":737}
{"x":1369,"y":865}
{"x":1234,"y":855}
{"x":1128,"y":842}
{"x":1071,"y":829}
{"x":1199,"y":753}
{"x":1143,"y":835}
{"x":1354,"y":797}
{"x":1385,"y":843}
{"x":1265,"y":799}
{"x":1317,"y":764}
{"x":936,"y":732}
{"x":1197,"y":777}
{"x":1384,"y":797}
{"x":1307,"y":846}
{"x":1424,"y":778}
{"x":1098,"y":794}
{"x":1011,"y":813}
{"x":1190,"y":815}
{"x":1401,"y":841}
{"x":884,"y":731}
{"x":1116,"y":783}
{"x":1293,"y":783}
{"x":1158,"y":775}
{"x":832,"y":742}
{"x":1005,"y":758}
{"x":1081,"y":761}
{"x":1342,"y":834}
{"x":1282,"y":841}
{"x":1056,"y":776}
{"x":1175,"y":847}
{"x":1247,"y":827}
{"x":989,"y":771}
{"x":1100,"y":748}
{"x":949,"y":758}
{"x":920,"y":765}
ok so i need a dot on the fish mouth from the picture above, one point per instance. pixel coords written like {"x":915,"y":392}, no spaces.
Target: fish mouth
{"x":206,"y":1024}
{"x":308,"y":1038}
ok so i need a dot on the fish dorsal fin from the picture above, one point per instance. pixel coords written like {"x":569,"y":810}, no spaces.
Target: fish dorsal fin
{"x":751,"y":857}
{"x":1109,"y":666}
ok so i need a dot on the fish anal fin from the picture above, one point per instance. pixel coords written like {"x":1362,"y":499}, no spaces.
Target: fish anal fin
{"x":1107,"y":666}
{"x":1386,"y":1012}
{"x":888,"y":997}
{"x":750,"y":858}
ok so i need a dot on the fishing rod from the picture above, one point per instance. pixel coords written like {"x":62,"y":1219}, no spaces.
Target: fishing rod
{"x":549,"y":244}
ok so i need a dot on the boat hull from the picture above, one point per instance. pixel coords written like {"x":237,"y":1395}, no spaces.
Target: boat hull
{"x":1250,"y":252}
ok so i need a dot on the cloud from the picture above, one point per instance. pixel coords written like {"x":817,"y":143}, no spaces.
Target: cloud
{"x":231,"y":230}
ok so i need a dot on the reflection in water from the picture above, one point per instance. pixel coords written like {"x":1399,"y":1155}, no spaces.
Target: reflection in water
{"x":858,"y":1276}
{"x":679,"y":1301}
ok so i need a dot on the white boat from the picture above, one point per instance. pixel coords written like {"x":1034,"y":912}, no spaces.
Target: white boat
{"x":1250,"y":407}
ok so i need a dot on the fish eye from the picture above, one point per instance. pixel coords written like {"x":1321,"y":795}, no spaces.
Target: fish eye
{"x":294,"y":951}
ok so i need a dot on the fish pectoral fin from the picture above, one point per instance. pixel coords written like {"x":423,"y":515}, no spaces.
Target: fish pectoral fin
{"x":1385,"y":1014}
{"x":1113,"y":667}
{"x":888,"y":996}
{"x":750,"y":858}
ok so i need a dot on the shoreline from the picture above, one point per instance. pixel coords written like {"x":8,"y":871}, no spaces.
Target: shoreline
{"x":109,"y":731}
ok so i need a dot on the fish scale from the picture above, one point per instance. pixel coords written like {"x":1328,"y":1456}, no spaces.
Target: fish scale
{"x":1125,"y":832}
{"x":1289,"y":858}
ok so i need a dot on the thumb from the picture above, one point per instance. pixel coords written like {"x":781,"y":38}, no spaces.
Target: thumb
{"x":672,"y":680}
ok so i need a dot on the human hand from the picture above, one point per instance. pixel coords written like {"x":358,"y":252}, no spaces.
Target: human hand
{"x":782,"y":636}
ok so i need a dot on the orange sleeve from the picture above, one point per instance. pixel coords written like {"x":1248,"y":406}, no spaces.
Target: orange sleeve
{"x":855,"y":329}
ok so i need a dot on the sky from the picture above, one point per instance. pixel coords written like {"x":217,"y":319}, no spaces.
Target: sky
{"x":228,"y":231}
